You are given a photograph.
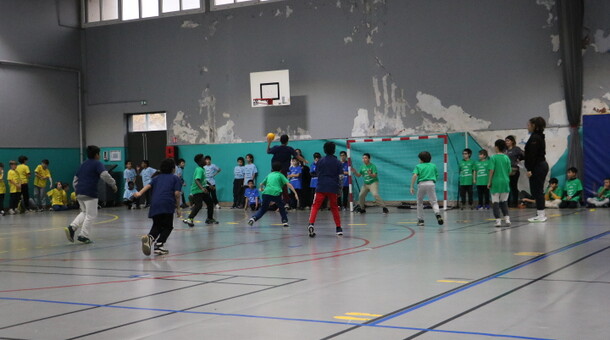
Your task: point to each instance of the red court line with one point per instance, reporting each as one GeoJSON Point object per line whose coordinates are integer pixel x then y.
{"type": "Point", "coordinates": [213, 272]}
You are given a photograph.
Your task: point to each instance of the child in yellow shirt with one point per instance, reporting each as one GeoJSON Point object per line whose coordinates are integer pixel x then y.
{"type": "Point", "coordinates": [14, 184]}
{"type": "Point", "coordinates": [23, 170]}
{"type": "Point", "coordinates": [59, 198]}
{"type": "Point", "coordinates": [2, 189]}
{"type": "Point", "coordinates": [42, 177]}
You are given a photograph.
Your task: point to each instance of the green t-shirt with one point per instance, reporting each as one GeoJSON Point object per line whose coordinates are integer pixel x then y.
{"type": "Point", "coordinates": [482, 170]}
{"type": "Point", "coordinates": [200, 175]}
{"type": "Point", "coordinates": [426, 172]}
{"type": "Point", "coordinates": [558, 192]}
{"type": "Point", "coordinates": [604, 196]}
{"type": "Point", "coordinates": [572, 187]}
{"type": "Point", "coordinates": [500, 182]}
{"type": "Point", "coordinates": [466, 170]}
{"type": "Point", "coordinates": [364, 171]}
{"type": "Point", "coordinates": [274, 183]}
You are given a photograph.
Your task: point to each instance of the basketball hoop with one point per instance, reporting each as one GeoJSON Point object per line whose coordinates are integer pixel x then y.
{"type": "Point", "coordinates": [263, 101]}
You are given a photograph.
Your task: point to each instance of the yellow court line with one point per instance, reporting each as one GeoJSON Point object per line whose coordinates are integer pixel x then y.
{"type": "Point", "coordinates": [363, 314]}
{"type": "Point", "coordinates": [351, 318]}
{"type": "Point", "coordinates": [528, 253]}
{"type": "Point", "coordinates": [452, 281]}
{"type": "Point", "coordinates": [232, 222]}
{"type": "Point", "coordinates": [114, 218]}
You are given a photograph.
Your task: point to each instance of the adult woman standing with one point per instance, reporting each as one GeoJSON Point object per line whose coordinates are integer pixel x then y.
{"type": "Point", "coordinates": [516, 155]}
{"type": "Point", "coordinates": [536, 165]}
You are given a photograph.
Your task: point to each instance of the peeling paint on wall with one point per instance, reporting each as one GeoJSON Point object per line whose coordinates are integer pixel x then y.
{"type": "Point", "coordinates": [189, 24]}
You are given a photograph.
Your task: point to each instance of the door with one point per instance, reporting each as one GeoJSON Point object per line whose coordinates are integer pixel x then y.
{"type": "Point", "coordinates": [148, 145]}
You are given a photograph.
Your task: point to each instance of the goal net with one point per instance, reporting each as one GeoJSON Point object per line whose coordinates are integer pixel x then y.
{"type": "Point", "coordinates": [395, 159]}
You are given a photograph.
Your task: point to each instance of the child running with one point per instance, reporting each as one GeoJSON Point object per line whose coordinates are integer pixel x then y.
{"type": "Point", "coordinates": [328, 170]}
{"type": "Point", "coordinates": [201, 193]}
{"type": "Point", "coordinates": [499, 182]}
{"type": "Point", "coordinates": [165, 200]}
{"type": "Point", "coordinates": [426, 175]}
{"type": "Point", "coordinates": [272, 187]}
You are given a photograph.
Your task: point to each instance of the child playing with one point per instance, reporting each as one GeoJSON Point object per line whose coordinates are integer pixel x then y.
{"type": "Point", "coordinates": [146, 172]}
{"type": "Point", "coordinates": [23, 170]}
{"type": "Point", "coordinates": [345, 181]}
{"type": "Point", "coordinates": [200, 193]}
{"type": "Point", "coordinates": [499, 182]}
{"type": "Point", "coordinates": [482, 179]}
{"type": "Point", "coordinates": [573, 190]}
{"type": "Point", "coordinates": [180, 173]}
{"type": "Point", "coordinates": [129, 174]}
{"type": "Point", "coordinates": [238, 183]}
{"type": "Point", "coordinates": [59, 198]}
{"type": "Point", "coordinates": [294, 176]}
{"type": "Point", "coordinates": [2, 189]}
{"type": "Point", "coordinates": [166, 199]}
{"type": "Point", "coordinates": [371, 183]}
{"type": "Point", "coordinates": [466, 167]}
{"type": "Point", "coordinates": [251, 197]}
{"type": "Point", "coordinates": [328, 169]}
{"type": "Point", "coordinates": [272, 188]}
{"type": "Point", "coordinates": [86, 182]}
{"type": "Point", "coordinates": [211, 170]}
{"type": "Point", "coordinates": [129, 197]}
{"type": "Point", "coordinates": [313, 182]}
{"type": "Point", "coordinates": [603, 195]}
{"type": "Point", "coordinates": [426, 175]}
{"type": "Point", "coordinates": [42, 176]}
{"type": "Point", "coordinates": [14, 185]}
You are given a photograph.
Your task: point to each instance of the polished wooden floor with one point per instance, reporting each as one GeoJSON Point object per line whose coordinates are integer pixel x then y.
{"type": "Point", "coordinates": [386, 278]}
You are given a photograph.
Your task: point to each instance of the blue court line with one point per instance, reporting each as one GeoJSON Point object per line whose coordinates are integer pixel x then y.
{"type": "Point", "coordinates": [487, 279]}
{"type": "Point", "coordinates": [272, 318]}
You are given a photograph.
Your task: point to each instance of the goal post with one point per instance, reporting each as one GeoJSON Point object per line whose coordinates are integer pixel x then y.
{"type": "Point", "coordinates": [395, 158]}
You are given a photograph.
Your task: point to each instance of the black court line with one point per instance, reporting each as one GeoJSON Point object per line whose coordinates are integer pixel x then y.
{"type": "Point", "coordinates": [182, 310]}
{"type": "Point", "coordinates": [108, 304]}
{"type": "Point", "coordinates": [506, 293]}
{"type": "Point", "coordinates": [450, 291]}
{"type": "Point", "coordinates": [554, 280]}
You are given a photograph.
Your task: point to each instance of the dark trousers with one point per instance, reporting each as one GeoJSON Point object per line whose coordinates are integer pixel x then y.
{"type": "Point", "coordinates": [1, 202]}
{"type": "Point", "coordinates": [483, 194]}
{"type": "Point", "coordinates": [129, 203]}
{"type": "Point", "coordinates": [568, 205]}
{"type": "Point", "coordinates": [198, 200]}
{"type": "Point", "coordinates": [25, 193]}
{"type": "Point", "coordinates": [213, 194]}
{"type": "Point", "coordinates": [60, 207]}
{"type": "Point", "coordinates": [14, 200]}
{"type": "Point", "coordinates": [466, 190]}
{"type": "Point", "coordinates": [344, 197]}
{"type": "Point", "coordinates": [537, 183]}
{"type": "Point", "coordinates": [163, 224]}
{"type": "Point", "coordinates": [238, 192]}
{"type": "Point", "coordinates": [147, 196]}
{"type": "Point", "coordinates": [513, 197]}
{"type": "Point", "coordinates": [267, 199]}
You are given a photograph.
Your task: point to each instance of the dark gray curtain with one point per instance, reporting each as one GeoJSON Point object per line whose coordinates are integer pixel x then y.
{"type": "Point", "coordinates": [570, 14]}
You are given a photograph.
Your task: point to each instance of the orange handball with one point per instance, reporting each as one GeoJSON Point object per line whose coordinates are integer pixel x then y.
{"type": "Point", "coordinates": [270, 136]}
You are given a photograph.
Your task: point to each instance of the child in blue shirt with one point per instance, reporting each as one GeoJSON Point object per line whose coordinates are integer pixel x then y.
{"type": "Point", "coordinates": [251, 197]}
{"type": "Point", "coordinates": [146, 172]}
{"type": "Point", "coordinates": [345, 182]}
{"type": "Point", "coordinates": [166, 200]}
{"type": "Point", "coordinates": [129, 174]}
{"type": "Point", "coordinates": [211, 170]}
{"type": "Point", "coordinates": [238, 183]}
{"type": "Point", "coordinates": [313, 183]}
{"type": "Point", "coordinates": [129, 196]}
{"type": "Point", "coordinates": [294, 176]}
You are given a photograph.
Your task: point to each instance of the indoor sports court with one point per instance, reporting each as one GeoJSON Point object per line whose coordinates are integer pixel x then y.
{"type": "Point", "coordinates": [123, 119]}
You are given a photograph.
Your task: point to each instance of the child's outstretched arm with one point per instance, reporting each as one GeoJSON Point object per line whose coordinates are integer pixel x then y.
{"type": "Point", "coordinates": [141, 192]}
{"type": "Point", "coordinates": [413, 179]}
{"type": "Point", "coordinates": [293, 190]}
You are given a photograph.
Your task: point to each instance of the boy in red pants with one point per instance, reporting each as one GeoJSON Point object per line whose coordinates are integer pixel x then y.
{"type": "Point", "coordinates": [329, 169]}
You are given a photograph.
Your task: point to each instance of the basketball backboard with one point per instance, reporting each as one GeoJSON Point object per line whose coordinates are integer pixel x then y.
{"type": "Point", "coordinates": [270, 88]}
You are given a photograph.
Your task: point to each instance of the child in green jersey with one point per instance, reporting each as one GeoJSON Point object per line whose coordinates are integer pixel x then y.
{"type": "Point", "coordinates": [466, 167]}
{"type": "Point", "coordinates": [426, 174]}
{"type": "Point", "coordinates": [603, 196]}
{"type": "Point", "coordinates": [572, 191]}
{"type": "Point", "coordinates": [499, 182]}
{"type": "Point", "coordinates": [481, 172]}
{"type": "Point", "coordinates": [272, 187]}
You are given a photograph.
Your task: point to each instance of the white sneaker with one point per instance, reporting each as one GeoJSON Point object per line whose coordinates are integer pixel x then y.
{"type": "Point", "coordinates": [537, 219]}
{"type": "Point", "coordinates": [11, 212]}
{"type": "Point", "coordinates": [217, 206]}
{"type": "Point", "coordinates": [498, 223]}
{"type": "Point", "coordinates": [507, 220]}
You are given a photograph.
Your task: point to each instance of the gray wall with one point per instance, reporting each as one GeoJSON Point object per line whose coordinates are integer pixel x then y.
{"type": "Point", "coordinates": [39, 107]}
{"type": "Point", "coordinates": [359, 67]}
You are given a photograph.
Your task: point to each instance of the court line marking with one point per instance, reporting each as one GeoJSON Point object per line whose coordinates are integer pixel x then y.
{"type": "Point", "coordinates": [452, 281]}
{"type": "Point", "coordinates": [172, 311]}
{"type": "Point", "coordinates": [13, 233]}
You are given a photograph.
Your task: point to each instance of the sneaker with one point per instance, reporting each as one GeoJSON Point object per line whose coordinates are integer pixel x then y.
{"type": "Point", "coordinates": [251, 221]}
{"type": "Point", "coordinates": [339, 231]}
{"type": "Point", "coordinates": [211, 221]}
{"type": "Point", "coordinates": [385, 210]}
{"type": "Point", "coordinates": [189, 221]}
{"type": "Point", "coordinates": [217, 206]}
{"type": "Point", "coordinates": [487, 207]}
{"type": "Point", "coordinates": [420, 223]}
{"type": "Point", "coordinates": [311, 230]}
{"type": "Point", "coordinates": [479, 207]}
{"type": "Point", "coordinates": [84, 239]}
{"type": "Point", "coordinates": [537, 219]}
{"type": "Point", "coordinates": [11, 212]}
{"type": "Point", "coordinates": [160, 250]}
{"type": "Point", "coordinates": [498, 223]}
{"type": "Point", "coordinates": [285, 224]}
{"type": "Point", "coordinates": [439, 219]}
{"type": "Point", "coordinates": [2, 212]}
{"type": "Point", "coordinates": [362, 211]}
{"type": "Point", "coordinates": [147, 241]}
{"type": "Point", "coordinates": [507, 220]}
{"type": "Point", "coordinates": [69, 233]}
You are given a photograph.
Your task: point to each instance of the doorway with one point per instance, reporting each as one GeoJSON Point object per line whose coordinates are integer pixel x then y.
{"type": "Point", "coordinates": [147, 138]}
